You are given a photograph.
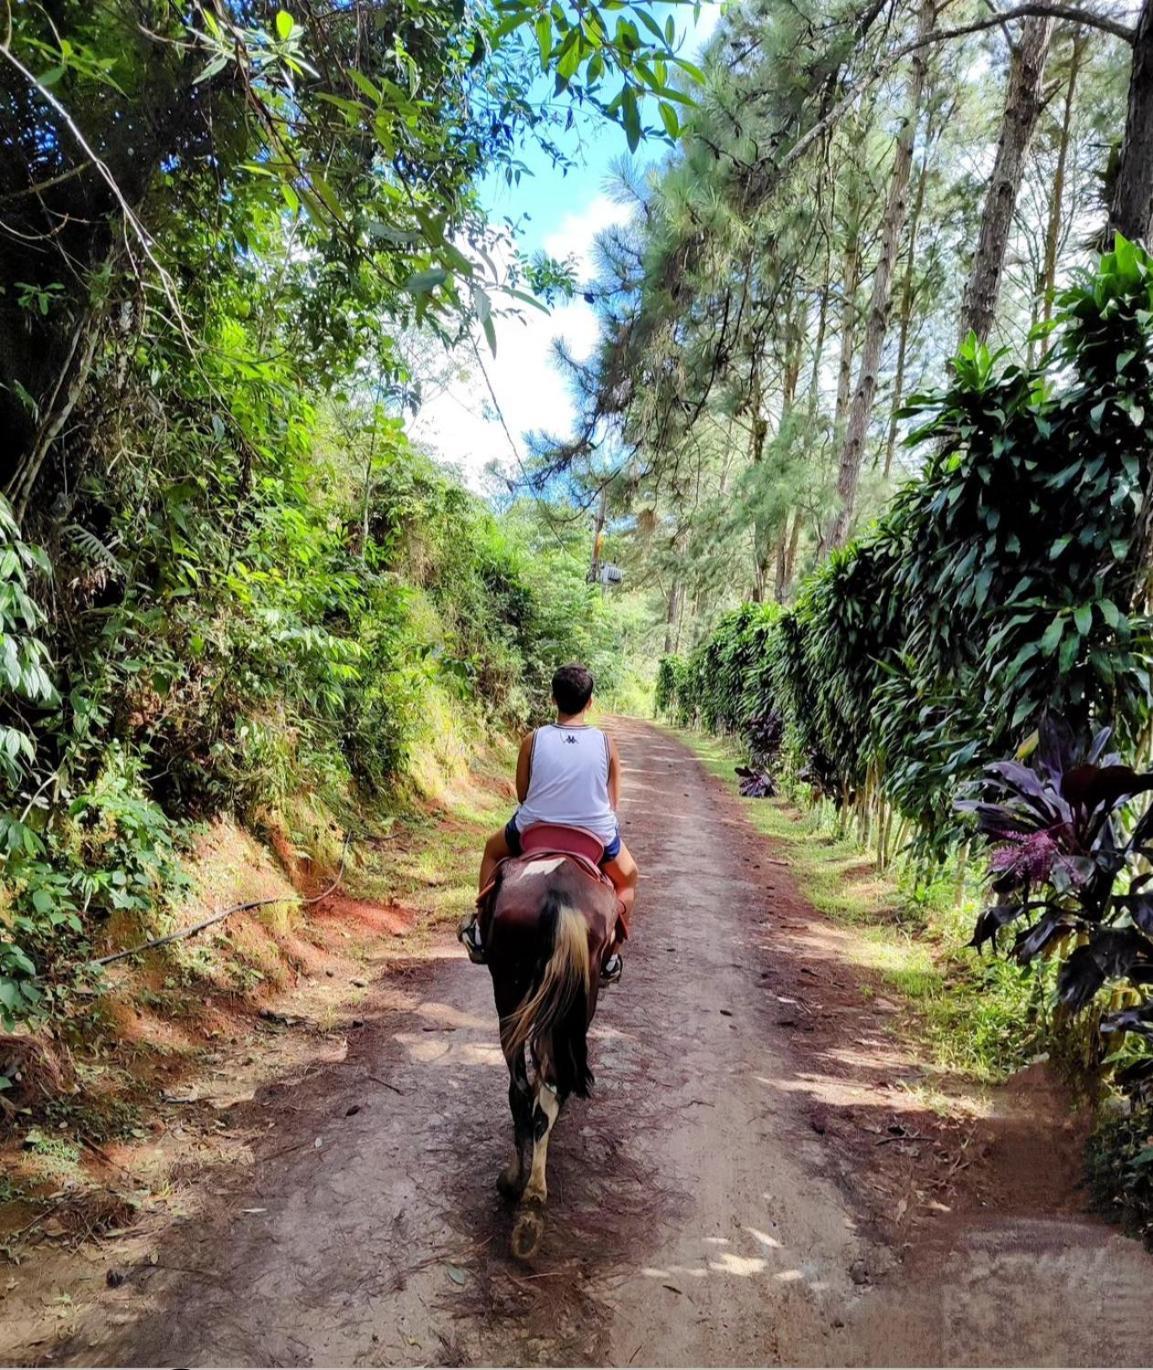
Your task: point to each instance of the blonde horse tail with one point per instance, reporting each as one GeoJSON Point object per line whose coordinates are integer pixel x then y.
{"type": "Point", "coordinates": [554, 1013]}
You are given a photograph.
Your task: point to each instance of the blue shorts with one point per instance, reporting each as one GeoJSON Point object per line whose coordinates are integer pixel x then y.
{"type": "Point", "coordinates": [512, 837]}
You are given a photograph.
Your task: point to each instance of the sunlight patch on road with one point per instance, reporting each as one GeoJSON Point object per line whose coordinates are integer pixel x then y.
{"type": "Point", "coordinates": [431, 1049]}
{"type": "Point", "coordinates": [732, 1264]}
{"type": "Point", "coordinates": [764, 1238]}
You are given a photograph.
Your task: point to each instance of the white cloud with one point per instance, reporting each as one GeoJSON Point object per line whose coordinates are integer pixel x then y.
{"type": "Point", "coordinates": [533, 394]}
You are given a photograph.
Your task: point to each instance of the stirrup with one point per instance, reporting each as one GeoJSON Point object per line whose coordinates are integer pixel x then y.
{"type": "Point", "coordinates": [612, 968]}
{"type": "Point", "coordinates": [468, 936]}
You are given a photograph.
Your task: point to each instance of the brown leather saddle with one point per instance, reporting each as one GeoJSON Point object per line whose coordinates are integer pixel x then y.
{"type": "Point", "coordinates": [543, 840]}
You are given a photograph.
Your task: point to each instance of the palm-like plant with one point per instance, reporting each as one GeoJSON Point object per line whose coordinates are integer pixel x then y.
{"type": "Point", "coordinates": [1065, 852]}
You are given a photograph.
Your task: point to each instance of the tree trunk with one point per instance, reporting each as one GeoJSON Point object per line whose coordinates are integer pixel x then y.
{"type": "Point", "coordinates": [877, 321]}
{"type": "Point", "coordinates": [814, 398]}
{"type": "Point", "coordinates": [791, 555]}
{"type": "Point", "coordinates": [906, 315]}
{"type": "Point", "coordinates": [787, 556]}
{"type": "Point", "coordinates": [782, 562]}
{"type": "Point", "coordinates": [1131, 212]}
{"type": "Point", "coordinates": [57, 409]}
{"type": "Point", "coordinates": [1024, 101]}
{"type": "Point", "coordinates": [757, 435]}
{"type": "Point", "coordinates": [1048, 282]}
{"type": "Point", "coordinates": [671, 618]}
{"type": "Point", "coordinates": [851, 277]}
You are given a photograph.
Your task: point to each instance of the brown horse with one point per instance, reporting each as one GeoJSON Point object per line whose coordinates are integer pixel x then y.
{"type": "Point", "coordinates": [546, 929]}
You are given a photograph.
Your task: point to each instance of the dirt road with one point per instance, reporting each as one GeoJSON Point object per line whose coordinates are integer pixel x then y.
{"type": "Point", "coordinates": [709, 1205]}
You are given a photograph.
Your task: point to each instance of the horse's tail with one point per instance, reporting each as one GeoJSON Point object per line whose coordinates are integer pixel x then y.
{"type": "Point", "coordinates": [554, 1012]}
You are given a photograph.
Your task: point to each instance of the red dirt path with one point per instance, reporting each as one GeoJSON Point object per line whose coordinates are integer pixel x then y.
{"type": "Point", "coordinates": [752, 1182]}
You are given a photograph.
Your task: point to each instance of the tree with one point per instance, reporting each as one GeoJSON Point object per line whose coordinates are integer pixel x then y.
{"type": "Point", "coordinates": [1024, 100]}
{"type": "Point", "coordinates": [1131, 210]}
{"type": "Point", "coordinates": [877, 319]}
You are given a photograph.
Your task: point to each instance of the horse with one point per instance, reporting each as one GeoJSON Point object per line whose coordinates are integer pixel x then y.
{"type": "Point", "coordinates": [547, 926]}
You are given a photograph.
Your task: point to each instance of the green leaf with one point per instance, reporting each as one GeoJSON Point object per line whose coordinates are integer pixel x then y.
{"type": "Point", "coordinates": [543, 30]}
{"type": "Point", "coordinates": [691, 68]}
{"type": "Point", "coordinates": [284, 25]}
{"type": "Point", "coordinates": [216, 65]}
{"type": "Point", "coordinates": [421, 282]}
{"type": "Point", "coordinates": [327, 195]}
{"type": "Point", "coordinates": [1125, 255]}
{"type": "Point", "coordinates": [630, 117]}
{"type": "Point", "coordinates": [1053, 634]}
{"type": "Point", "coordinates": [570, 56]}
{"type": "Point", "coordinates": [669, 119]}
{"type": "Point", "coordinates": [1083, 618]}
{"type": "Point", "coordinates": [364, 85]}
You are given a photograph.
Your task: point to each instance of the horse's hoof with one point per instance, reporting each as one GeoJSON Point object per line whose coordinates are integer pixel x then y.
{"type": "Point", "coordinates": [509, 1182]}
{"type": "Point", "coordinates": [527, 1234]}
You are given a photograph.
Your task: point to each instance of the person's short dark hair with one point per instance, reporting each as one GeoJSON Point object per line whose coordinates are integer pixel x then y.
{"type": "Point", "coordinates": [572, 688]}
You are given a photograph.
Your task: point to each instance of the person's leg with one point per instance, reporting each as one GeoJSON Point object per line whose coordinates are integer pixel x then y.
{"type": "Point", "coordinates": [495, 850]}
{"type": "Point", "coordinates": [621, 869]}
{"type": "Point", "coordinates": [500, 845]}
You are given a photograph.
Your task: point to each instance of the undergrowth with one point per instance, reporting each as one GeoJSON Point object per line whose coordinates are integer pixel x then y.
{"type": "Point", "coordinates": [1120, 1172]}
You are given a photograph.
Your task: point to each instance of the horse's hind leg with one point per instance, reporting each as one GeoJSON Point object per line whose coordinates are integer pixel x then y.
{"type": "Point", "coordinates": [529, 1229]}
{"type": "Point", "coordinates": [512, 1177]}
{"type": "Point", "coordinates": [546, 1110]}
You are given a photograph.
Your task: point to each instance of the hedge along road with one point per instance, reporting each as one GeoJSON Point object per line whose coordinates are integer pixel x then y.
{"type": "Point", "coordinates": [709, 1205]}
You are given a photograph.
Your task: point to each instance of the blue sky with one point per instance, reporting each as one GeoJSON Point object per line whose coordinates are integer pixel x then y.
{"type": "Point", "coordinates": [559, 213]}
{"type": "Point", "coordinates": [594, 144]}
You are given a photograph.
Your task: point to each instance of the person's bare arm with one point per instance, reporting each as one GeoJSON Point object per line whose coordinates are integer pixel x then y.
{"type": "Point", "coordinates": [524, 768]}
{"type": "Point", "coordinates": [614, 775]}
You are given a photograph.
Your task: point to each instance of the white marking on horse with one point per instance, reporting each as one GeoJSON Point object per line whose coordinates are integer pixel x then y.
{"type": "Point", "coordinates": [542, 865]}
{"type": "Point", "coordinates": [536, 1191]}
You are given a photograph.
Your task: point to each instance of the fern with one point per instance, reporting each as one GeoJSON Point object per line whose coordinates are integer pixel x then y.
{"type": "Point", "coordinates": [97, 552]}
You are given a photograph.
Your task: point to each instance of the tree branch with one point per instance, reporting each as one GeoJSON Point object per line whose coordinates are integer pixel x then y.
{"type": "Point", "coordinates": [1038, 9]}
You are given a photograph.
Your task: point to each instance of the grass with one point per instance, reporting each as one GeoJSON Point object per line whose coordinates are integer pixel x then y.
{"type": "Point", "coordinates": [978, 1017]}
{"type": "Point", "coordinates": [431, 861]}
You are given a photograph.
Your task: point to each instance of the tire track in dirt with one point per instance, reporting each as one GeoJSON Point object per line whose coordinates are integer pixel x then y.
{"type": "Point", "coordinates": [720, 1200]}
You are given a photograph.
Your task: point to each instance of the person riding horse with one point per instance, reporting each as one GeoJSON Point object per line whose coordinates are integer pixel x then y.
{"type": "Point", "coordinates": [568, 776]}
{"type": "Point", "coordinates": [557, 886]}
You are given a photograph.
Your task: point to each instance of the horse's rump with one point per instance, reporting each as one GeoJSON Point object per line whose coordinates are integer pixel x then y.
{"type": "Point", "coordinates": [548, 926]}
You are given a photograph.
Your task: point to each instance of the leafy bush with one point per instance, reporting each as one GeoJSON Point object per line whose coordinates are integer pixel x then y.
{"type": "Point", "coordinates": [1065, 853]}
{"type": "Point", "coordinates": [1120, 1171]}
{"type": "Point", "coordinates": [232, 675]}
{"type": "Point", "coordinates": [1007, 578]}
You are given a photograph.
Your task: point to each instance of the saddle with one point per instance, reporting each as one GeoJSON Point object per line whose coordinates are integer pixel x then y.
{"type": "Point", "coordinates": [542, 840]}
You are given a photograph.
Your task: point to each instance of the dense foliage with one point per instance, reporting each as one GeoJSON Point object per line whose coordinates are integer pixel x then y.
{"type": "Point", "coordinates": [226, 577]}
{"type": "Point", "coordinates": [1010, 577]}
{"type": "Point", "coordinates": [312, 663]}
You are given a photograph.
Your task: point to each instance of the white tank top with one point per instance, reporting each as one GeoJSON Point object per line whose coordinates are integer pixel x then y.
{"type": "Point", "coordinates": [569, 781]}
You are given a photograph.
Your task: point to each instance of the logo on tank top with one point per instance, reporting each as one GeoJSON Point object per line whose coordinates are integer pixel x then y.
{"type": "Point", "coordinates": [570, 739]}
